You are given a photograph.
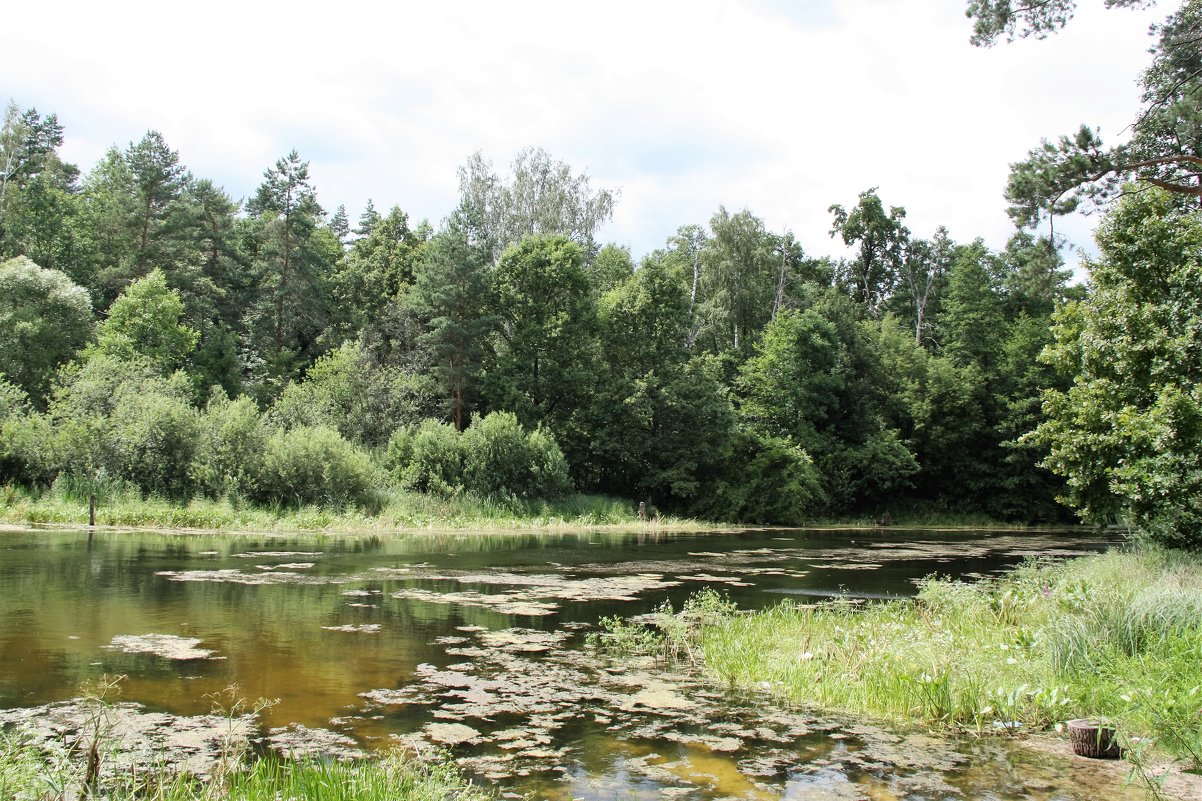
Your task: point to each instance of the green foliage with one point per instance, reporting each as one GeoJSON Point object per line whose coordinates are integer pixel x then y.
{"type": "Point", "coordinates": [231, 447]}
{"type": "Point", "coordinates": [873, 275]}
{"type": "Point", "coordinates": [45, 318]}
{"type": "Point", "coordinates": [428, 458]}
{"type": "Point", "coordinates": [38, 203]}
{"type": "Point", "coordinates": [815, 381]}
{"type": "Point", "coordinates": [658, 420]}
{"type": "Point", "coordinates": [494, 458]}
{"type": "Point", "coordinates": [766, 480]}
{"type": "Point", "coordinates": [351, 392]}
{"type": "Point", "coordinates": [374, 270]}
{"type": "Point", "coordinates": [111, 418]}
{"type": "Point", "coordinates": [450, 294]}
{"type": "Point", "coordinates": [1126, 434]}
{"type": "Point", "coordinates": [316, 466]}
{"type": "Point", "coordinates": [145, 321]}
{"type": "Point", "coordinates": [739, 275]}
{"type": "Point", "coordinates": [541, 298]}
{"type": "Point", "coordinates": [971, 325]}
{"type": "Point", "coordinates": [14, 405]}
{"type": "Point", "coordinates": [500, 459]}
{"type": "Point", "coordinates": [291, 258]}
{"type": "Point", "coordinates": [612, 266]}
{"type": "Point", "coordinates": [151, 440]}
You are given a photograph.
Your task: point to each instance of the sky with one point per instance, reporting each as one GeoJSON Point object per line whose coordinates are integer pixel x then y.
{"type": "Point", "coordinates": [783, 108]}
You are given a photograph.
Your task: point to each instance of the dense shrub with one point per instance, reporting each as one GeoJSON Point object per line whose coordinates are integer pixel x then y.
{"type": "Point", "coordinates": [351, 392]}
{"type": "Point", "coordinates": [114, 418]}
{"type": "Point", "coordinates": [500, 459]}
{"type": "Point", "coordinates": [316, 466]}
{"type": "Point", "coordinates": [495, 457]}
{"type": "Point", "coordinates": [152, 438]}
{"type": "Point", "coordinates": [550, 477]}
{"type": "Point", "coordinates": [765, 480]}
{"type": "Point", "coordinates": [428, 458]}
{"type": "Point", "coordinates": [232, 442]}
{"type": "Point", "coordinates": [14, 405]}
{"type": "Point", "coordinates": [27, 449]}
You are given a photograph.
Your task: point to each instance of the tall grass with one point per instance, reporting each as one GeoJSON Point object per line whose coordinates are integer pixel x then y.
{"type": "Point", "coordinates": [28, 774]}
{"type": "Point", "coordinates": [1116, 636]}
{"type": "Point", "coordinates": [122, 505]}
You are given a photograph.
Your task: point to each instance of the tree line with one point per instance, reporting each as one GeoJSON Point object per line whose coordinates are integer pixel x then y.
{"type": "Point", "coordinates": [158, 333]}
{"type": "Point", "coordinates": [727, 374]}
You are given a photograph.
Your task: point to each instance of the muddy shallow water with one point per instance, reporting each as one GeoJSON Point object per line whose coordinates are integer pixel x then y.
{"type": "Point", "coordinates": [473, 643]}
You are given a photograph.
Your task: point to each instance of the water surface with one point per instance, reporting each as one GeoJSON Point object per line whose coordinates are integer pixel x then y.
{"type": "Point", "coordinates": [473, 641]}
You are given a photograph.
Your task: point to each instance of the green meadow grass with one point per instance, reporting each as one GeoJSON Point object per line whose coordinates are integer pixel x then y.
{"type": "Point", "coordinates": [1116, 636]}
{"type": "Point", "coordinates": [127, 508]}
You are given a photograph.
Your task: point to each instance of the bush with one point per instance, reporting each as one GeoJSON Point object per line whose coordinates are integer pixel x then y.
{"type": "Point", "coordinates": [766, 480]}
{"type": "Point", "coordinates": [428, 458]}
{"type": "Point", "coordinates": [119, 418]}
{"type": "Point", "coordinates": [14, 405]}
{"type": "Point", "coordinates": [232, 442]}
{"type": "Point", "coordinates": [152, 440]}
{"type": "Point", "coordinates": [350, 392]}
{"type": "Point", "coordinates": [316, 466]}
{"type": "Point", "coordinates": [494, 458]}
{"type": "Point", "coordinates": [549, 466]}
{"type": "Point", "coordinates": [500, 459]}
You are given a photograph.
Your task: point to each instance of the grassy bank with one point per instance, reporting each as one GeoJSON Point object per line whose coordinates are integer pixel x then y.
{"type": "Point", "coordinates": [1116, 636]}
{"type": "Point", "coordinates": [125, 507]}
{"type": "Point", "coordinates": [28, 774]}
{"type": "Point", "coordinates": [402, 510]}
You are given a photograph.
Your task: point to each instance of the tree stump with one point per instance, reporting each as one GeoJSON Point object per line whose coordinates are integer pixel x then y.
{"type": "Point", "coordinates": [1093, 739]}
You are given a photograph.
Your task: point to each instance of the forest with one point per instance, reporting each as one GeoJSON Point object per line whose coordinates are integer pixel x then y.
{"type": "Point", "coordinates": [165, 335]}
{"type": "Point", "coordinates": [157, 334]}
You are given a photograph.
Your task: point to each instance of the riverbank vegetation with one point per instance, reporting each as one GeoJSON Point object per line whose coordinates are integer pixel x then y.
{"type": "Point", "coordinates": [158, 337]}
{"type": "Point", "coordinates": [1115, 637]}
{"type": "Point", "coordinates": [28, 773]}
{"type": "Point", "coordinates": [155, 331]}
{"type": "Point", "coordinates": [161, 335]}
{"type": "Point", "coordinates": [400, 509]}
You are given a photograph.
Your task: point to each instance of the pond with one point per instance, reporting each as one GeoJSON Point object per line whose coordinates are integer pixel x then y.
{"type": "Point", "coordinates": [473, 642]}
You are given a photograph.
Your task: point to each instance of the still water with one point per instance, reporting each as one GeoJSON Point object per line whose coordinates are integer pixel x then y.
{"type": "Point", "coordinates": [474, 642]}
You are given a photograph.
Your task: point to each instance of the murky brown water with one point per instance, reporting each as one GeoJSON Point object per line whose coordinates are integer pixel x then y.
{"type": "Point", "coordinates": [473, 642]}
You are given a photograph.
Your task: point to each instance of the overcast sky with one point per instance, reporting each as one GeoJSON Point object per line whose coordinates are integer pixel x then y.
{"type": "Point", "coordinates": [681, 106]}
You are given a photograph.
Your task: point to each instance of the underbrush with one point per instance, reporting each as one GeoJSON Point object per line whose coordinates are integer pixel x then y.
{"type": "Point", "coordinates": [1116, 636]}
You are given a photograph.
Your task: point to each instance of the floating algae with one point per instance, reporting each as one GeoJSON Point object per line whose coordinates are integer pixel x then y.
{"type": "Point", "coordinates": [132, 736]}
{"type": "Point", "coordinates": [167, 646]}
{"type": "Point", "coordinates": [301, 742]}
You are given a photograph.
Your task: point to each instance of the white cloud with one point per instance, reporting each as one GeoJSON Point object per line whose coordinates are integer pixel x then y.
{"type": "Point", "coordinates": [684, 106]}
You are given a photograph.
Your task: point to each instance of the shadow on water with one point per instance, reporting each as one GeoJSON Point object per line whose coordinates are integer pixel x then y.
{"type": "Point", "coordinates": [473, 642]}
